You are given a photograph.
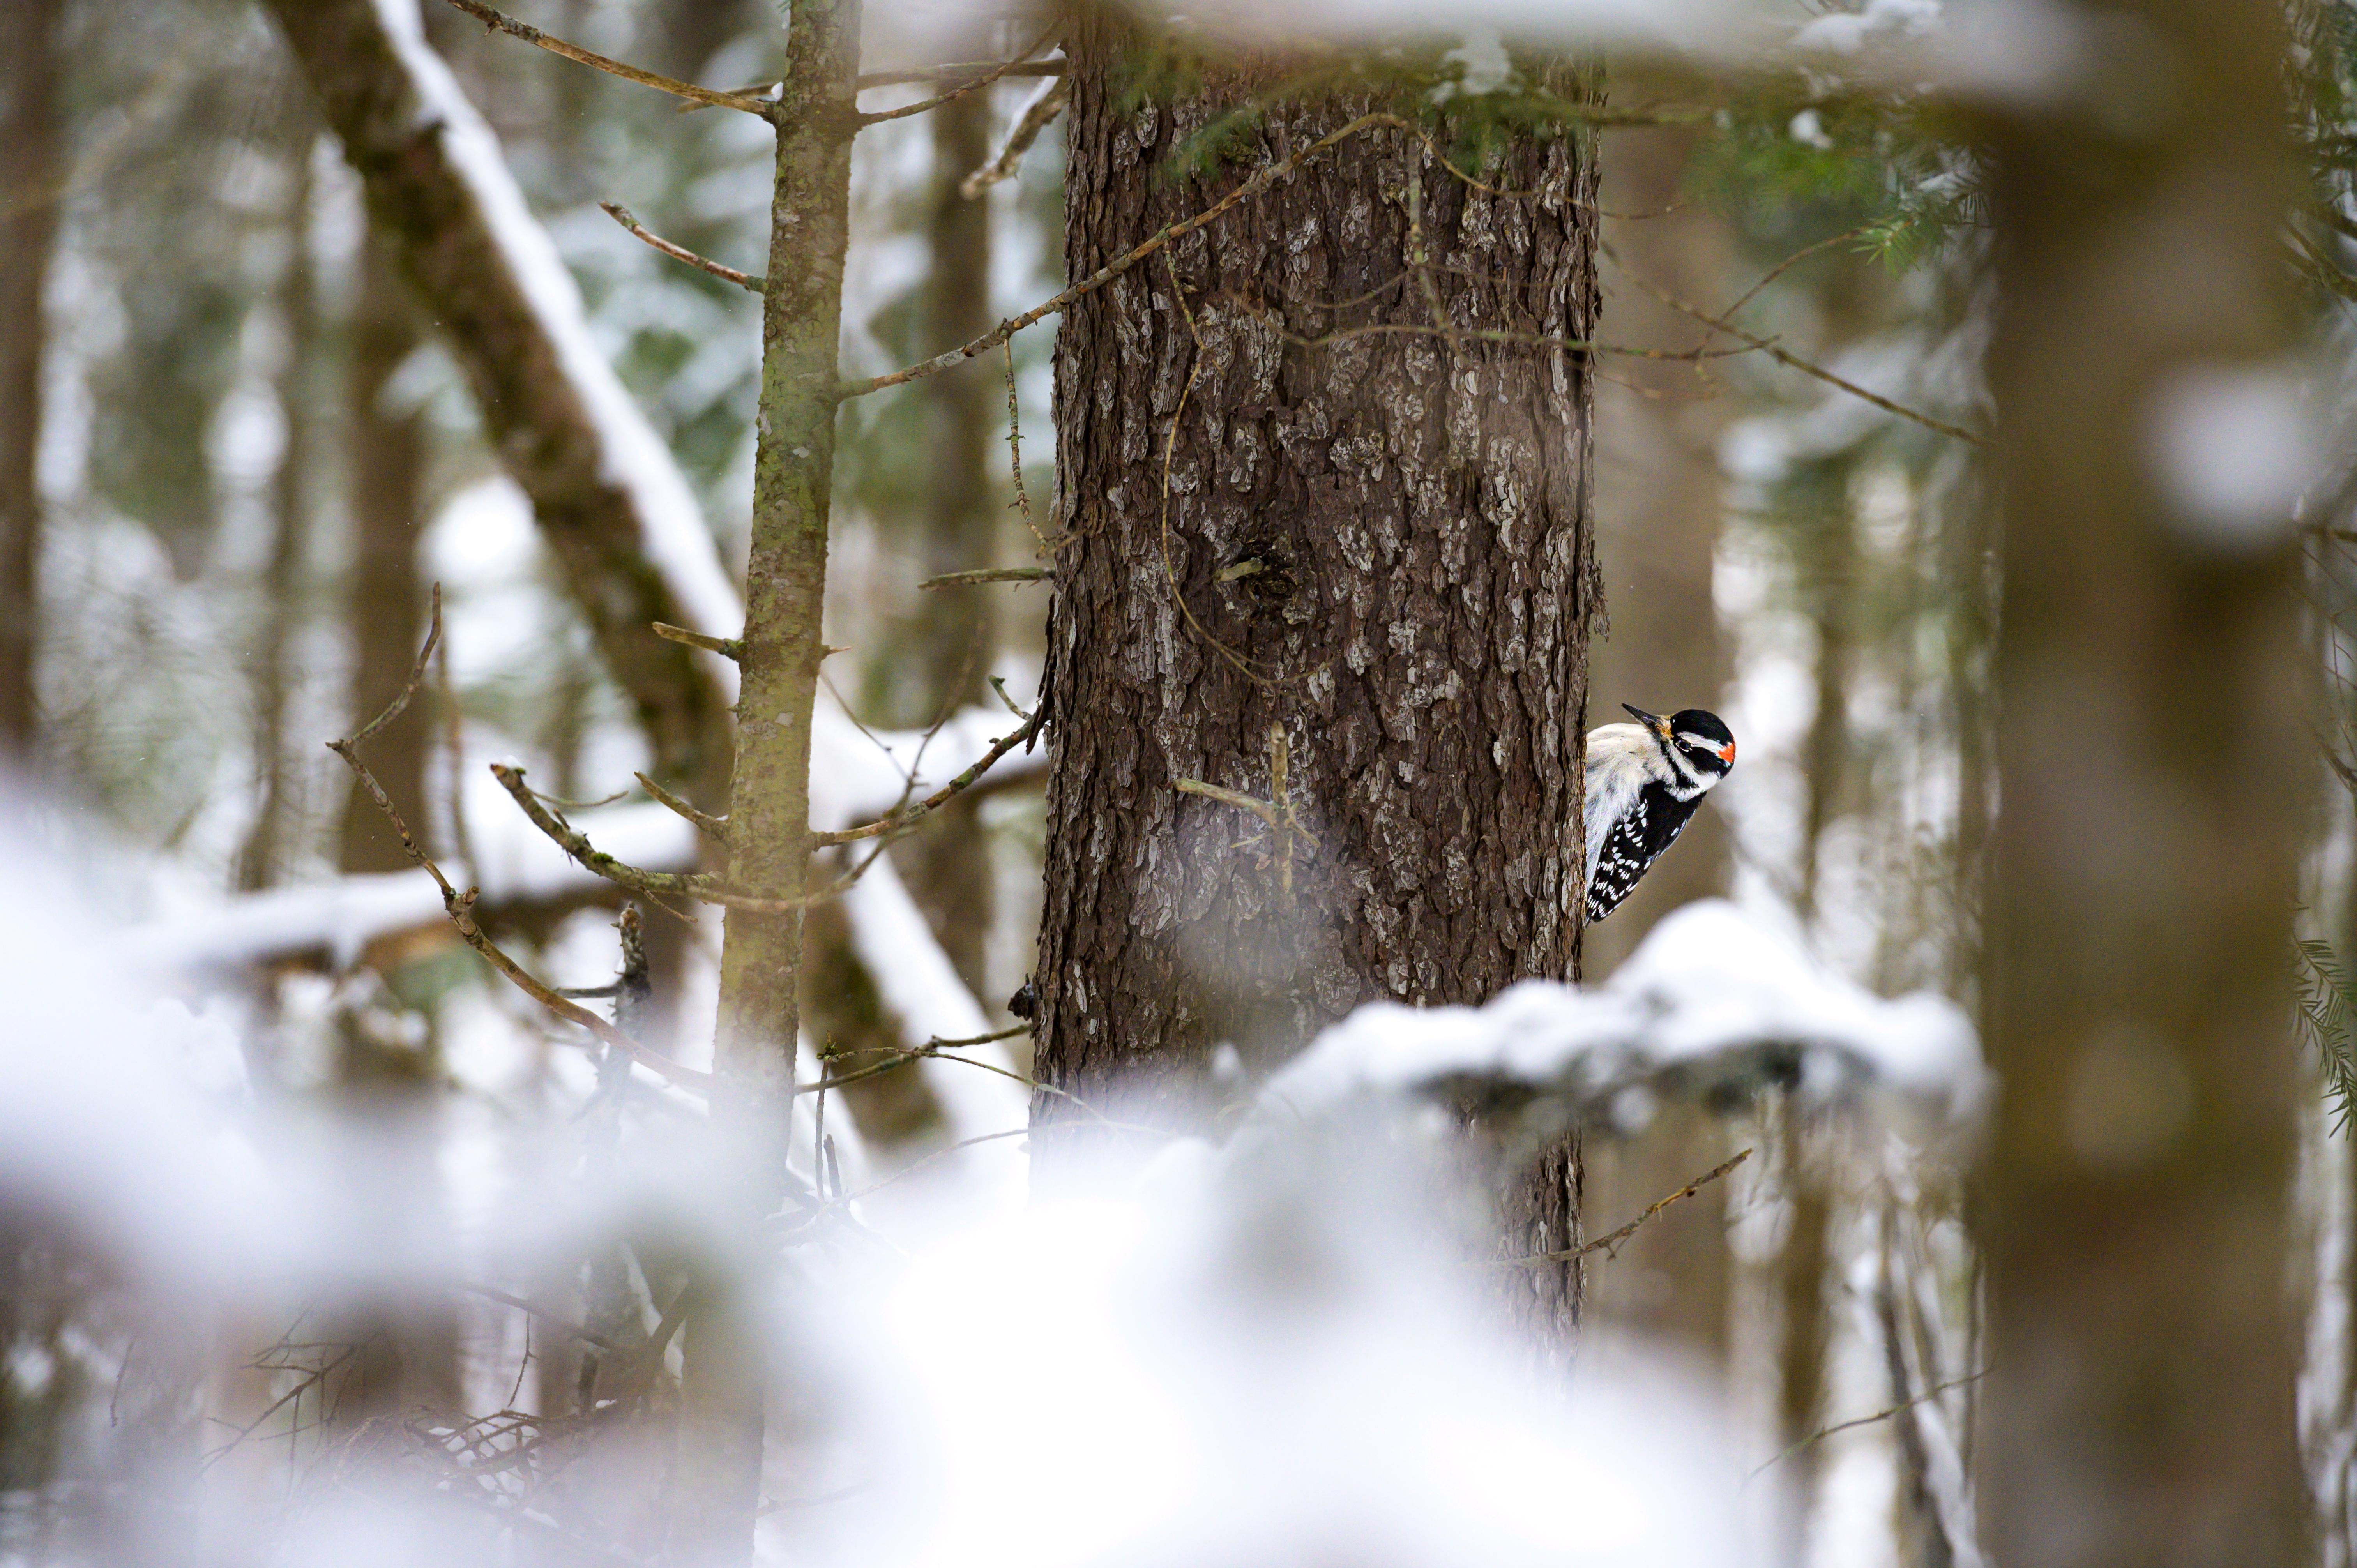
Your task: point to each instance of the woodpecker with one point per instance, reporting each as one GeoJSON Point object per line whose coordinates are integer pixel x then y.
{"type": "Point", "coordinates": [1644, 781]}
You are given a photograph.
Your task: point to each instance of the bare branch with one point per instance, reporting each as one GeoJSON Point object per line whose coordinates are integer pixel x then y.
{"type": "Point", "coordinates": [460, 907]}
{"type": "Point", "coordinates": [1824, 1432]}
{"type": "Point", "coordinates": [988, 575]}
{"type": "Point", "coordinates": [1793, 360]}
{"type": "Point", "coordinates": [500, 22]}
{"type": "Point", "coordinates": [622, 214]}
{"type": "Point", "coordinates": [1036, 116]}
{"type": "Point", "coordinates": [993, 69]}
{"type": "Point", "coordinates": [1610, 1245]}
{"type": "Point", "coordinates": [939, 798]}
{"type": "Point", "coordinates": [576, 844]}
{"type": "Point", "coordinates": [1055, 26]}
{"type": "Point", "coordinates": [717, 828]}
{"type": "Point", "coordinates": [727, 647]}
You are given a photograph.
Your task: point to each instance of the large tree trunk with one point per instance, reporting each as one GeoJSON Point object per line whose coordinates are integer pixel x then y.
{"type": "Point", "coordinates": [2151, 759]}
{"type": "Point", "coordinates": [1377, 549]}
{"type": "Point", "coordinates": [30, 176]}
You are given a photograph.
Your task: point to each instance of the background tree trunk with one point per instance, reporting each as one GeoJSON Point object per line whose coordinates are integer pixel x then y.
{"type": "Point", "coordinates": [2151, 758]}
{"type": "Point", "coordinates": [1378, 549]}
{"type": "Point", "coordinates": [1658, 495]}
{"type": "Point", "coordinates": [30, 177]}
{"type": "Point", "coordinates": [387, 603]}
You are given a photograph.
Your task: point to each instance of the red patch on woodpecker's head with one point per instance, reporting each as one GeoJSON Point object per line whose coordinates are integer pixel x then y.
{"type": "Point", "coordinates": [1726, 753]}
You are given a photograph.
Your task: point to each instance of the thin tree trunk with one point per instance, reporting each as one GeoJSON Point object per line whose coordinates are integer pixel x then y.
{"type": "Point", "coordinates": [2151, 754]}
{"type": "Point", "coordinates": [938, 656]}
{"type": "Point", "coordinates": [722, 1414]}
{"type": "Point", "coordinates": [386, 603]}
{"type": "Point", "coordinates": [947, 867]}
{"type": "Point", "coordinates": [1658, 495]}
{"type": "Point", "coordinates": [262, 857]}
{"type": "Point", "coordinates": [30, 174]}
{"type": "Point", "coordinates": [1376, 579]}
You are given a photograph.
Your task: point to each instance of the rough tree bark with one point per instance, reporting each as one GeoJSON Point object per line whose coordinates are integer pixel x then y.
{"type": "Point", "coordinates": [30, 65]}
{"type": "Point", "coordinates": [1378, 549]}
{"type": "Point", "coordinates": [2151, 762]}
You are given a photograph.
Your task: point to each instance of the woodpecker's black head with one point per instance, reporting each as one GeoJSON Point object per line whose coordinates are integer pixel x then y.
{"type": "Point", "coordinates": [1699, 740]}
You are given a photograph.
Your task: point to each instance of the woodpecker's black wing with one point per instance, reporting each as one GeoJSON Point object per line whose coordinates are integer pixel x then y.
{"type": "Point", "coordinates": [1652, 823]}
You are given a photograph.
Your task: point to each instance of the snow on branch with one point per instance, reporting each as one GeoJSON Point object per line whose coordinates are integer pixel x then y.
{"type": "Point", "coordinates": [1711, 1006]}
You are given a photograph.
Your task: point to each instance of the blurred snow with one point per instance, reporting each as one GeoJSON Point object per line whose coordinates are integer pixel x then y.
{"type": "Point", "coordinates": [1714, 1003]}
{"type": "Point", "coordinates": [2233, 448]}
{"type": "Point", "coordinates": [1277, 1350]}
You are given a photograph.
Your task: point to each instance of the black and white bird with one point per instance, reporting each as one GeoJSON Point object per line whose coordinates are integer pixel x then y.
{"type": "Point", "coordinates": [1644, 781]}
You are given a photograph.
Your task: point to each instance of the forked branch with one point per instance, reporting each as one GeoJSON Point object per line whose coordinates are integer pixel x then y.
{"type": "Point", "coordinates": [460, 907]}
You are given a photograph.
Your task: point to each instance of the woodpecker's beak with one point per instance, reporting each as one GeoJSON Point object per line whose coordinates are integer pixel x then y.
{"type": "Point", "coordinates": [1654, 722]}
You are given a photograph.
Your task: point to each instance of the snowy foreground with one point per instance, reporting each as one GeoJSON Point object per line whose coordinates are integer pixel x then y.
{"type": "Point", "coordinates": [1257, 1351]}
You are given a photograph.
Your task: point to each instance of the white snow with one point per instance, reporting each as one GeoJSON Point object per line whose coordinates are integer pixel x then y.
{"type": "Point", "coordinates": [1713, 1000]}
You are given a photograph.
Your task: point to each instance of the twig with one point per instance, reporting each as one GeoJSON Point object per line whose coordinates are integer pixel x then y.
{"type": "Point", "coordinates": [1015, 452]}
{"type": "Point", "coordinates": [988, 575]}
{"type": "Point", "coordinates": [727, 647]}
{"type": "Point", "coordinates": [460, 907]}
{"type": "Point", "coordinates": [702, 888]}
{"type": "Point", "coordinates": [1610, 1245]}
{"type": "Point", "coordinates": [622, 214]}
{"type": "Point", "coordinates": [1260, 181]}
{"type": "Point", "coordinates": [576, 844]}
{"type": "Point", "coordinates": [938, 799]}
{"type": "Point", "coordinates": [1055, 26]}
{"type": "Point", "coordinates": [715, 828]}
{"type": "Point", "coordinates": [994, 68]}
{"type": "Point", "coordinates": [1904, 1405]}
{"type": "Point", "coordinates": [1036, 116]}
{"type": "Point", "coordinates": [1793, 360]}
{"type": "Point", "coordinates": [1279, 812]}
{"type": "Point", "coordinates": [498, 22]}
{"type": "Point", "coordinates": [553, 1318]}
{"type": "Point", "coordinates": [998, 684]}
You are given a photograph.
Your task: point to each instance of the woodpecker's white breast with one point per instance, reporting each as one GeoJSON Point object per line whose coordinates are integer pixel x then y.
{"type": "Point", "coordinates": [1621, 760]}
